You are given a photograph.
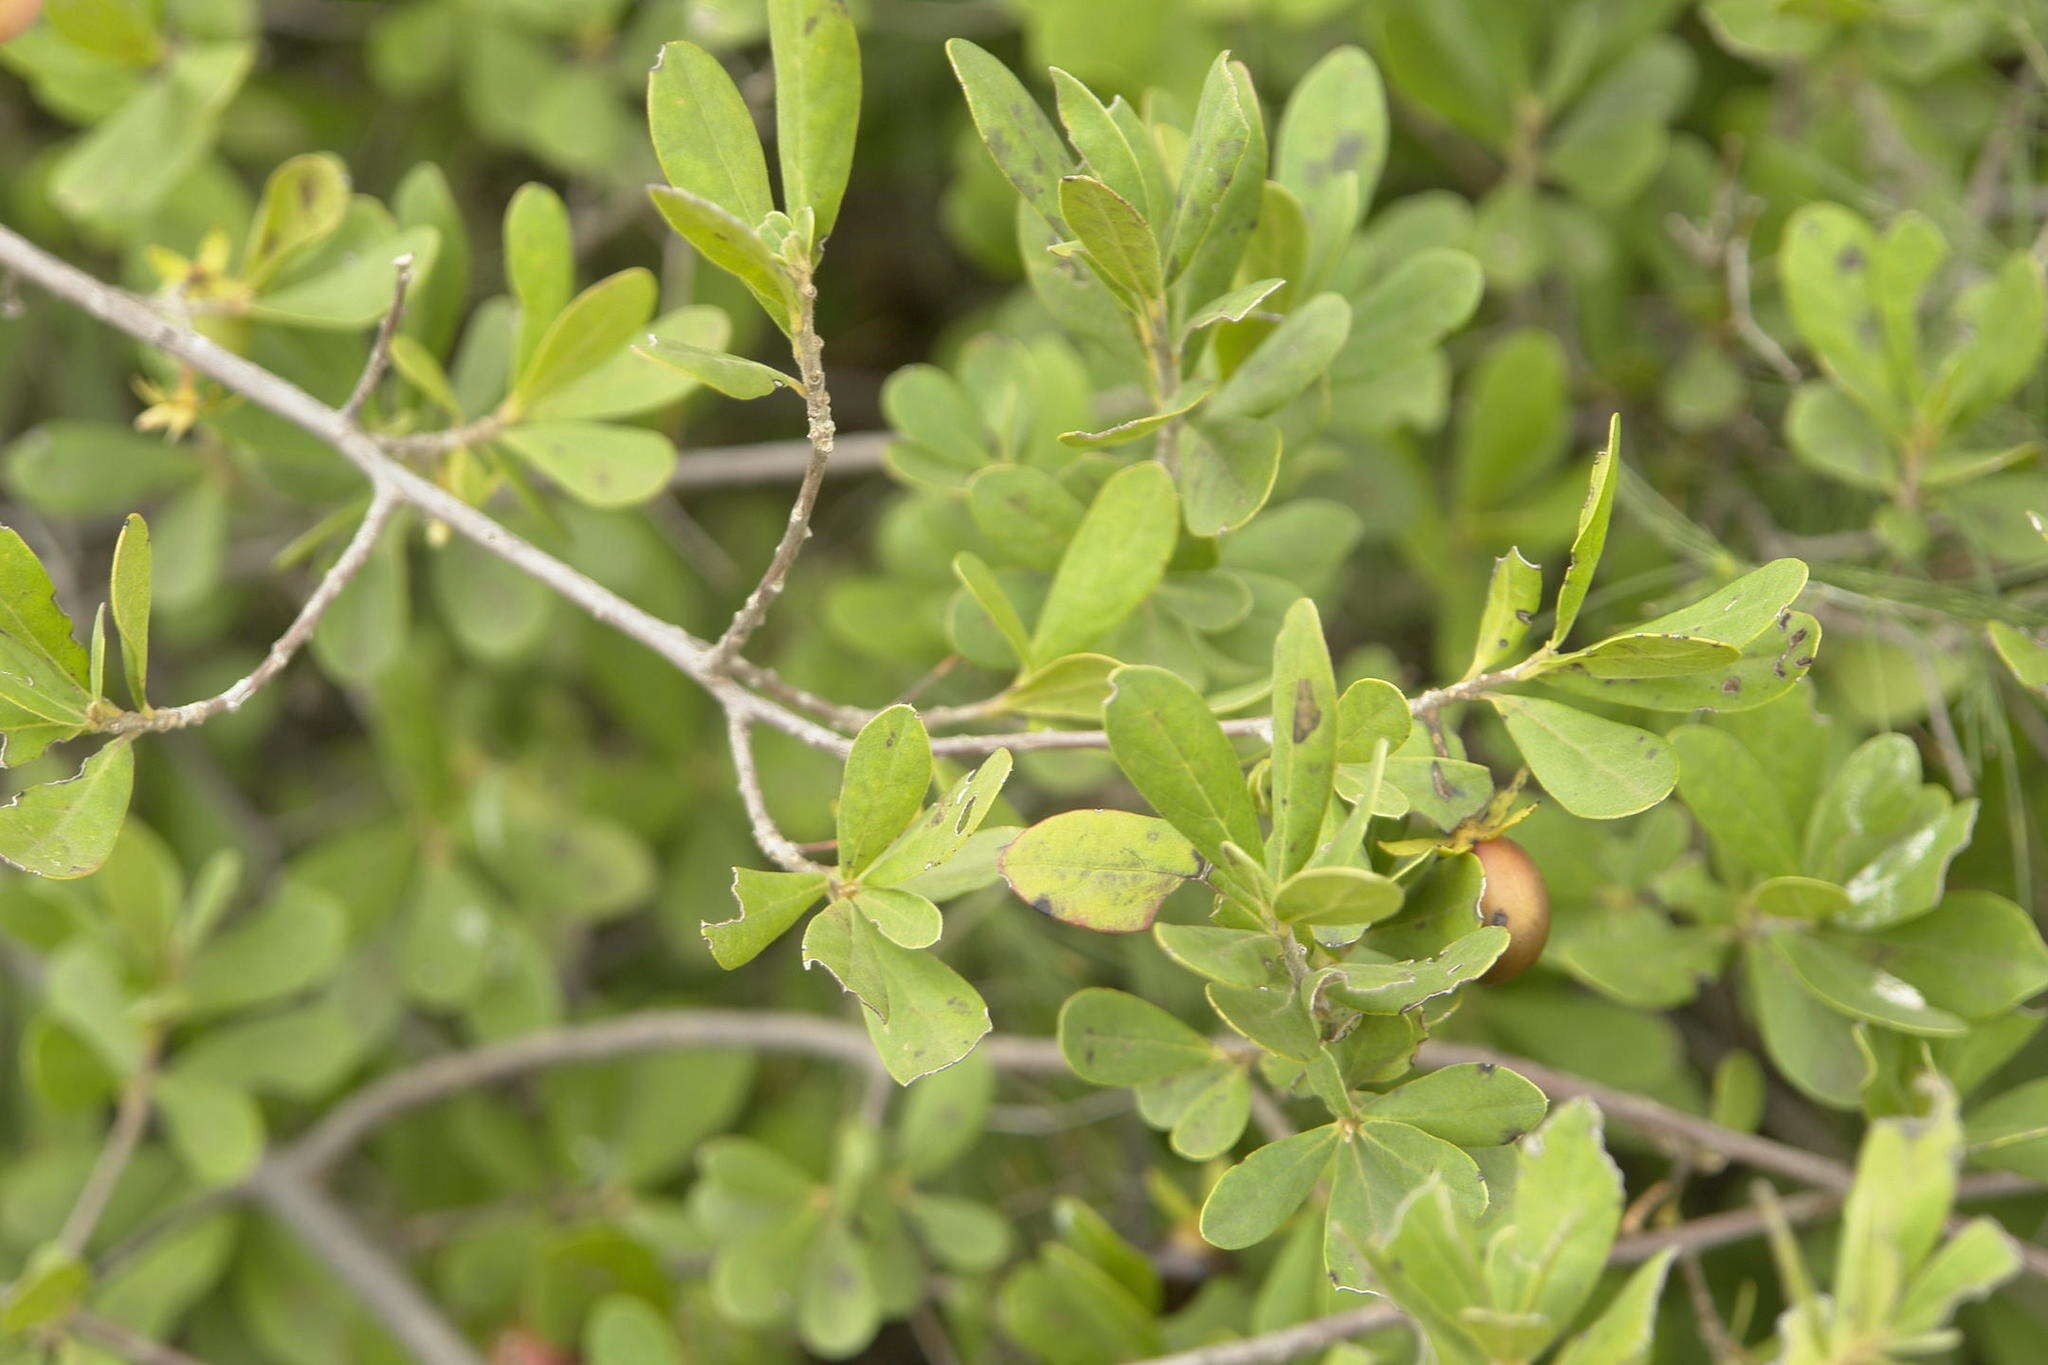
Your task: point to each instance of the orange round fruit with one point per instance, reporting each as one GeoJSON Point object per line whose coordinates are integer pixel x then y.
{"type": "Point", "coordinates": [17, 15]}
{"type": "Point", "coordinates": [1516, 899]}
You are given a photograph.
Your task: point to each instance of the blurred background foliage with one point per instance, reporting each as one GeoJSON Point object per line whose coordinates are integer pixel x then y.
{"type": "Point", "coordinates": [501, 814]}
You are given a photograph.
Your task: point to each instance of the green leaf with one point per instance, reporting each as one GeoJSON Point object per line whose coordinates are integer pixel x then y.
{"type": "Point", "coordinates": [1813, 1046]}
{"type": "Point", "coordinates": [1234, 957]}
{"type": "Point", "coordinates": [817, 103]}
{"type": "Point", "coordinates": [444, 957]}
{"type": "Point", "coordinates": [598, 324]}
{"type": "Point", "coordinates": [1214, 264]}
{"type": "Point", "coordinates": [1026, 510]}
{"type": "Point", "coordinates": [704, 135]}
{"type": "Point", "coordinates": [945, 828]}
{"type": "Point", "coordinates": [1260, 1193]}
{"type": "Point", "coordinates": [1596, 768]}
{"type": "Point", "coordinates": [837, 1309]}
{"type": "Point", "coordinates": [1215, 1116]}
{"type": "Point", "coordinates": [887, 774]}
{"type": "Point", "coordinates": [597, 463]}
{"type": "Point", "coordinates": [1622, 1333]}
{"type": "Point", "coordinates": [1226, 472]}
{"type": "Point", "coordinates": [1735, 799]}
{"type": "Point", "coordinates": [438, 301]}
{"type": "Point", "coordinates": [2001, 330]}
{"type": "Point", "coordinates": [1825, 265]}
{"type": "Point", "coordinates": [1512, 596]}
{"type": "Point", "coordinates": [1370, 710]}
{"type": "Point", "coordinates": [936, 1017]}
{"type": "Point", "coordinates": [1514, 421]}
{"type": "Point", "coordinates": [1115, 559]}
{"type": "Point", "coordinates": [1852, 986]}
{"type": "Point", "coordinates": [124, 168]}
{"type": "Point", "coordinates": [1470, 1105]}
{"type": "Point", "coordinates": [304, 201]}
{"type": "Point", "coordinates": [987, 591]}
{"type": "Point", "coordinates": [904, 917]}
{"type": "Point", "coordinates": [1614, 141]}
{"type": "Point", "coordinates": [1391, 987]}
{"type": "Point", "coordinates": [52, 1283]}
{"type": "Point", "coordinates": [1408, 311]}
{"type": "Point", "coordinates": [1976, 954]}
{"type": "Point", "coordinates": [1026, 148]}
{"type": "Point", "coordinates": [732, 246]}
{"type": "Point", "coordinates": [942, 1117]}
{"type": "Point", "coordinates": [1967, 1267]}
{"type": "Point", "coordinates": [1565, 1210]}
{"type": "Point", "coordinates": [1590, 538]}
{"type": "Point", "coordinates": [295, 942]}
{"type": "Point", "coordinates": [1374, 1169]}
{"type": "Point", "coordinates": [540, 263]}
{"type": "Point", "coordinates": [1335, 124]}
{"type": "Point", "coordinates": [129, 597]}
{"type": "Point", "coordinates": [1769, 666]}
{"type": "Point", "coordinates": [625, 1330]}
{"type": "Point", "coordinates": [1217, 144]}
{"type": "Point", "coordinates": [1829, 433]}
{"type": "Point", "coordinates": [93, 469]}
{"type": "Point", "coordinates": [1073, 688]}
{"type": "Point", "coordinates": [1122, 433]}
{"type": "Point", "coordinates": [46, 669]}
{"type": "Point", "coordinates": [922, 1016]}
{"type": "Point", "coordinates": [1274, 1017]}
{"type": "Point", "coordinates": [66, 829]}
{"type": "Point", "coordinates": [1107, 870]}
{"type": "Point", "coordinates": [1171, 747]}
{"type": "Point", "coordinates": [119, 30]}
{"type": "Point", "coordinates": [1294, 355]}
{"type": "Point", "coordinates": [2010, 1132]}
{"type": "Point", "coordinates": [1739, 612]}
{"type": "Point", "coordinates": [1429, 1260]}
{"type": "Point", "coordinates": [1336, 897]}
{"type": "Point", "coordinates": [1905, 1184]}
{"type": "Point", "coordinates": [1304, 738]}
{"type": "Point", "coordinates": [1110, 1038]}
{"type": "Point", "coordinates": [1637, 656]}
{"type": "Point", "coordinates": [734, 376]}
{"type": "Point", "coordinates": [216, 1128]}
{"type": "Point", "coordinates": [1103, 144]}
{"type": "Point", "coordinates": [2025, 656]}
{"type": "Point", "coordinates": [1235, 306]}
{"type": "Point", "coordinates": [1800, 898]}
{"type": "Point", "coordinates": [770, 902]}
{"type": "Point", "coordinates": [355, 291]}
{"type": "Point", "coordinates": [1120, 243]}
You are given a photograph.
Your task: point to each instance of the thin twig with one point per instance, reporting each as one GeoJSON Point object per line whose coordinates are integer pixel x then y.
{"type": "Point", "coordinates": [338, 1132]}
{"type": "Point", "coordinates": [428, 443]}
{"type": "Point", "coordinates": [1267, 1113]}
{"type": "Point", "coordinates": [141, 320]}
{"type": "Point", "coordinates": [131, 1116]}
{"type": "Point", "coordinates": [1744, 321]}
{"type": "Point", "coordinates": [1996, 153]}
{"type": "Point", "coordinates": [747, 777]}
{"type": "Point", "coordinates": [323, 1229]}
{"type": "Point", "coordinates": [345, 567]}
{"type": "Point", "coordinates": [123, 1341]}
{"type": "Point", "coordinates": [809, 350]}
{"type": "Point", "coordinates": [766, 462]}
{"type": "Point", "coordinates": [380, 345]}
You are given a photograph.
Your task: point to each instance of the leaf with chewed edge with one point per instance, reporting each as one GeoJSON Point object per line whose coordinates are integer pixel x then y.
{"type": "Point", "coordinates": [1108, 870]}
